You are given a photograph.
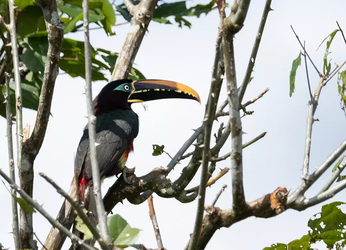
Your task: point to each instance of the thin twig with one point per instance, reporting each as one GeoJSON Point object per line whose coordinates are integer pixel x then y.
{"type": "Point", "coordinates": [44, 213]}
{"type": "Point", "coordinates": [25, 228]}
{"type": "Point", "coordinates": [307, 73]}
{"type": "Point", "coordinates": [218, 195]}
{"type": "Point", "coordinates": [306, 53]}
{"type": "Point", "coordinates": [101, 214]}
{"type": "Point", "coordinates": [211, 181]}
{"type": "Point", "coordinates": [40, 241]}
{"type": "Point", "coordinates": [224, 157]}
{"type": "Point", "coordinates": [79, 210]}
{"type": "Point", "coordinates": [335, 175]}
{"type": "Point", "coordinates": [15, 226]}
{"type": "Point", "coordinates": [156, 228]}
{"type": "Point", "coordinates": [208, 124]}
{"type": "Point", "coordinates": [333, 74]}
{"type": "Point", "coordinates": [342, 32]}
{"type": "Point", "coordinates": [252, 59]}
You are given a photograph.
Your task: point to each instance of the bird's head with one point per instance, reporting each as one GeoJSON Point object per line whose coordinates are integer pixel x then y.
{"type": "Point", "coordinates": [121, 94]}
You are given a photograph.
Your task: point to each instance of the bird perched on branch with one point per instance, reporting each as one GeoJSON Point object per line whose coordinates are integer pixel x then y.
{"type": "Point", "coordinates": [117, 125]}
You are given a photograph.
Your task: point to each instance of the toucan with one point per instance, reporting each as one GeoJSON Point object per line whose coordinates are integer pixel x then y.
{"type": "Point", "coordinates": [117, 125]}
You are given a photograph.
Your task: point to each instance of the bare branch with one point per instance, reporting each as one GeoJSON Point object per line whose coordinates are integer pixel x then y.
{"type": "Point", "coordinates": [101, 214]}
{"type": "Point", "coordinates": [142, 14]}
{"type": "Point", "coordinates": [334, 72]}
{"type": "Point", "coordinates": [335, 175]}
{"type": "Point", "coordinates": [252, 60]}
{"type": "Point", "coordinates": [323, 196]}
{"type": "Point", "coordinates": [342, 32]}
{"type": "Point", "coordinates": [44, 213]}
{"type": "Point", "coordinates": [15, 226]}
{"type": "Point", "coordinates": [156, 228]}
{"type": "Point", "coordinates": [79, 210]}
{"type": "Point", "coordinates": [26, 221]}
{"type": "Point", "coordinates": [235, 122]}
{"type": "Point", "coordinates": [306, 53]}
{"type": "Point", "coordinates": [31, 147]}
{"type": "Point", "coordinates": [296, 199]}
{"type": "Point", "coordinates": [208, 124]}
{"type": "Point", "coordinates": [224, 157]}
{"type": "Point", "coordinates": [130, 7]}
{"type": "Point", "coordinates": [218, 195]}
{"type": "Point", "coordinates": [307, 73]}
{"type": "Point", "coordinates": [267, 206]}
{"type": "Point", "coordinates": [310, 120]}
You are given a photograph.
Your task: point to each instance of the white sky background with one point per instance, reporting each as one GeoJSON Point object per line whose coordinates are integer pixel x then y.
{"type": "Point", "coordinates": [186, 55]}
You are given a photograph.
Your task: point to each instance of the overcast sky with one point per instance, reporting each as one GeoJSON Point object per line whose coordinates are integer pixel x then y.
{"type": "Point", "coordinates": [186, 55]}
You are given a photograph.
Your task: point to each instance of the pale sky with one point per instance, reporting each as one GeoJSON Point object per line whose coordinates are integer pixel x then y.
{"type": "Point", "coordinates": [186, 55]}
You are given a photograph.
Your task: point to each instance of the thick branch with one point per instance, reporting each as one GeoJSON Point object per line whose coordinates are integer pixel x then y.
{"type": "Point", "coordinates": [31, 147]}
{"type": "Point", "coordinates": [142, 15]}
{"type": "Point", "coordinates": [267, 206]}
{"type": "Point", "coordinates": [239, 204]}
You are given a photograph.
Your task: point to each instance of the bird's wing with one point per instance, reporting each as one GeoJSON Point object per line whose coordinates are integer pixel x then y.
{"type": "Point", "coordinates": [109, 149]}
{"type": "Point", "coordinates": [111, 143]}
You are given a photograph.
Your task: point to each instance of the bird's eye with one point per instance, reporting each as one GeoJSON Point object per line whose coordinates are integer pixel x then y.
{"type": "Point", "coordinates": [126, 87]}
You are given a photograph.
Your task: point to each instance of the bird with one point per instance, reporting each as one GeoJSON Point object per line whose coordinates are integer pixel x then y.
{"type": "Point", "coordinates": [117, 125]}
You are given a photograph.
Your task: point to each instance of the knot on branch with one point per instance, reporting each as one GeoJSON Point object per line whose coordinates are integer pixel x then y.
{"type": "Point", "coordinates": [271, 204]}
{"type": "Point", "coordinates": [213, 215]}
{"type": "Point", "coordinates": [143, 16]}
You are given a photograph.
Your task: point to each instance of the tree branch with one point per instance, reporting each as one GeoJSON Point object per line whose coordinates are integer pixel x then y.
{"type": "Point", "coordinates": [32, 146]}
{"type": "Point", "coordinates": [44, 213]}
{"type": "Point", "coordinates": [96, 182]}
{"type": "Point", "coordinates": [142, 14]}
{"type": "Point", "coordinates": [336, 174]}
{"type": "Point", "coordinates": [239, 204]}
{"type": "Point", "coordinates": [296, 199]}
{"type": "Point", "coordinates": [15, 226]}
{"type": "Point", "coordinates": [79, 211]}
{"type": "Point", "coordinates": [155, 223]}
{"type": "Point", "coordinates": [26, 237]}
{"type": "Point", "coordinates": [267, 206]}
{"type": "Point", "coordinates": [254, 51]}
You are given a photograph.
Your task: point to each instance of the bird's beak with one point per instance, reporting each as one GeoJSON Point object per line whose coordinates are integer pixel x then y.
{"type": "Point", "coordinates": [147, 90]}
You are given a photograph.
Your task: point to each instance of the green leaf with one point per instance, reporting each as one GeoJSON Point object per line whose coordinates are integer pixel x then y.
{"type": "Point", "coordinates": [27, 208]}
{"type": "Point", "coordinates": [331, 36]}
{"type": "Point", "coordinates": [332, 218]}
{"type": "Point", "coordinates": [21, 4]}
{"type": "Point", "coordinates": [342, 89]}
{"type": "Point", "coordinates": [338, 164]}
{"type": "Point", "coordinates": [121, 232]}
{"type": "Point", "coordinates": [278, 246]}
{"type": "Point", "coordinates": [302, 244]}
{"type": "Point", "coordinates": [331, 237]}
{"type": "Point", "coordinates": [81, 227]}
{"type": "Point", "coordinates": [158, 150]}
{"type": "Point", "coordinates": [295, 64]}
{"type": "Point", "coordinates": [30, 22]}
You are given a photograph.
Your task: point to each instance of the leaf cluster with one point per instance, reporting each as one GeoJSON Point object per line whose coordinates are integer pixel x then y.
{"type": "Point", "coordinates": [328, 226]}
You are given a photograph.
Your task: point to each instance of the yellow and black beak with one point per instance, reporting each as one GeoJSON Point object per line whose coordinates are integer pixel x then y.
{"type": "Point", "coordinates": [149, 89]}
